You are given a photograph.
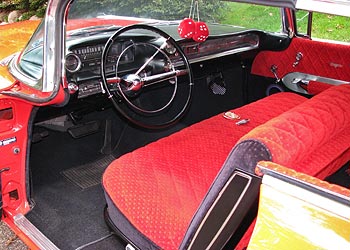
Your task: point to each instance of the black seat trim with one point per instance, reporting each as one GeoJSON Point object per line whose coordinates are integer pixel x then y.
{"type": "Point", "coordinates": [226, 213]}
{"type": "Point", "coordinates": [213, 225]}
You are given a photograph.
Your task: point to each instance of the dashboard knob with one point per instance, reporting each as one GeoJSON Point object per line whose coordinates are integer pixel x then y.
{"type": "Point", "coordinates": [72, 87]}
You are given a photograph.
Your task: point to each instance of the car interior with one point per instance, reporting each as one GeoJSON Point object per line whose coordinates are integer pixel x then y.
{"type": "Point", "coordinates": [103, 175]}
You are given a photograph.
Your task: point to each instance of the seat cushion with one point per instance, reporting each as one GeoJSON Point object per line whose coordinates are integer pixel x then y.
{"type": "Point", "coordinates": [153, 192]}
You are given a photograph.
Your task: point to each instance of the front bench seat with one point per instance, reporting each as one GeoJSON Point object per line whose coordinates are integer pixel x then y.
{"type": "Point", "coordinates": [163, 202]}
{"type": "Point", "coordinates": [312, 138]}
{"type": "Point", "coordinates": [153, 193]}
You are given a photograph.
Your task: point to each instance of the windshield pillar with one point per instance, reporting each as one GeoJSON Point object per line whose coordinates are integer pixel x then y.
{"type": "Point", "coordinates": [54, 44]}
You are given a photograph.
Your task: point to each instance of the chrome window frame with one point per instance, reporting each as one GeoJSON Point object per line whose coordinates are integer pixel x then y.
{"type": "Point", "coordinates": [53, 73]}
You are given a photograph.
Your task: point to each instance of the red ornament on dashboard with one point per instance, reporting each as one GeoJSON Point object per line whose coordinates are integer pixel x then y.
{"type": "Point", "coordinates": [186, 28]}
{"type": "Point", "coordinates": [201, 32]}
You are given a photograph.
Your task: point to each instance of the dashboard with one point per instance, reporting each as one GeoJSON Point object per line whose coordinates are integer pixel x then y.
{"type": "Point", "coordinates": [83, 58]}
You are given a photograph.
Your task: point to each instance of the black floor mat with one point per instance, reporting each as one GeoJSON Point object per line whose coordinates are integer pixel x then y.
{"type": "Point", "coordinates": [109, 241]}
{"type": "Point", "coordinates": [69, 215]}
{"type": "Point", "coordinates": [90, 174]}
{"type": "Point", "coordinates": [67, 191]}
{"type": "Point", "coordinates": [72, 220]}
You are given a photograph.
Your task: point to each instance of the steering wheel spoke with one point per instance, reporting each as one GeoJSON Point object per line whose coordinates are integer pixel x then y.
{"type": "Point", "coordinates": [154, 79]}
{"type": "Point", "coordinates": [113, 80]}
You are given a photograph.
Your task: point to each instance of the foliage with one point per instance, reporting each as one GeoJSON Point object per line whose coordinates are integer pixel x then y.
{"type": "Point", "coordinates": [253, 16]}
{"type": "Point", "coordinates": [178, 9]}
{"type": "Point", "coordinates": [324, 26]}
{"type": "Point", "coordinates": [209, 10]}
{"type": "Point", "coordinates": [29, 7]}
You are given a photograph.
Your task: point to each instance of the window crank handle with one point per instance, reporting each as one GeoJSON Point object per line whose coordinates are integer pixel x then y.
{"type": "Point", "coordinates": [298, 57]}
{"type": "Point", "coordinates": [273, 69]}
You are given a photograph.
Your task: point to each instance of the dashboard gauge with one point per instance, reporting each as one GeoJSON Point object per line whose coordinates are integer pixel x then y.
{"type": "Point", "coordinates": [73, 63]}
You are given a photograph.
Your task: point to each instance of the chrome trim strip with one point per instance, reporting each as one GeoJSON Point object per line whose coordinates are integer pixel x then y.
{"type": "Point", "coordinates": [311, 197]}
{"type": "Point", "coordinates": [19, 74]}
{"type": "Point", "coordinates": [54, 50]}
{"type": "Point", "coordinates": [5, 61]}
{"type": "Point", "coordinates": [54, 44]}
{"type": "Point", "coordinates": [224, 53]}
{"type": "Point", "coordinates": [33, 233]}
{"type": "Point", "coordinates": [304, 185]}
{"type": "Point", "coordinates": [291, 81]}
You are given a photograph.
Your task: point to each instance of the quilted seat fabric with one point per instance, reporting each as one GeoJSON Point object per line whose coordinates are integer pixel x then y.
{"type": "Point", "coordinates": [310, 136]}
{"type": "Point", "coordinates": [158, 188]}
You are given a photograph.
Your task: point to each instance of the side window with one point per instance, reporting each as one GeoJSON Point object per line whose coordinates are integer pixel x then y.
{"type": "Point", "coordinates": [253, 16]}
{"type": "Point", "coordinates": [323, 26]}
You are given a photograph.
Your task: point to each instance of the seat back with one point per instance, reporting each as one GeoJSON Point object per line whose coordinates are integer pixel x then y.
{"type": "Point", "coordinates": [320, 125]}
{"type": "Point", "coordinates": [311, 136]}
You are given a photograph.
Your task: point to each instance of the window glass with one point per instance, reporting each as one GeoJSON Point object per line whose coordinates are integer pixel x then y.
{"type": "Point", "coordinates": [253, 16]}
{"type": "Point", "coordinates": [211, 11]}
{"type": "Point", "coordinates": [324, 26]}
{"type": "Point", "coordinates": [31, 60]}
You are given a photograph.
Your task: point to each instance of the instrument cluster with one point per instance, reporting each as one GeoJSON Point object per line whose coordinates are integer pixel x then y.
{"type": "Point", "coordinates": [83, 65]}
{"type": "Point", "coordinates": [88, 58]}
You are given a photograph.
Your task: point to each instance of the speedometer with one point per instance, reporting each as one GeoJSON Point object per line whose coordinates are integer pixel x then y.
{"type": "Point", "coordinates": [73, 63]}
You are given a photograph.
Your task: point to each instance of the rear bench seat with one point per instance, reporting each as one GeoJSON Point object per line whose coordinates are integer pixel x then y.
{"type": "Point", "coordinates": [158, 195]}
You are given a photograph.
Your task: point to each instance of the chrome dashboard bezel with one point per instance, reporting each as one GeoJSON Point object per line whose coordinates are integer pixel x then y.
{"type": "Point", "coordinates": [78, 67]}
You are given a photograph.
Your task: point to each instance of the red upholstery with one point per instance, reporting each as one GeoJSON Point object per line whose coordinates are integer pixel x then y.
{"type": "Point", "coordinates": [319, 58]}
{"type": "Point", "coordinates": [315, 87]}
{"type": "Point", "coordinates": [159, 187]}
{"type": "Point", "coordinates": [312, 138]}
{"type": "Point", "coordinates": [309, 137]}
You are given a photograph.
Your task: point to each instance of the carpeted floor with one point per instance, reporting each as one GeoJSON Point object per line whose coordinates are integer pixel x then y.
{"type": "Point", "coordinates": [68, 214]}
{"type": "Point", "coordinates": [66, 185]}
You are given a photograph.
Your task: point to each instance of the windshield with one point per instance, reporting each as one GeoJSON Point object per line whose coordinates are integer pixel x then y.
{"type": "Point", "coordinates": [88, 18]}
{"type": "Point", "coordinates": [169, 10]}
{"type": "Point", "coordinates": [85, 12]}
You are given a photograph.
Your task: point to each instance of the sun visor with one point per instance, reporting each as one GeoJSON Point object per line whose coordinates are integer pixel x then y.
{"type": "Point", "coordinates": [334, 7]}
{"type": "Point", "coordinates": [275, 3]}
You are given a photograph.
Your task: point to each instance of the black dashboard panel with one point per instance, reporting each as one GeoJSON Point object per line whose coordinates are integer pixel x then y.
{"type": "Point", "coordinates": [83, 60]}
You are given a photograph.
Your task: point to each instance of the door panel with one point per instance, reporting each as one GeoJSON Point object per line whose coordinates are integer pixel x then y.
{"type": "Point", "coordinates": [317, 58]}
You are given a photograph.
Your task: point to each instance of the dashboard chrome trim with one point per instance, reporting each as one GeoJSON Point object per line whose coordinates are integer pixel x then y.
{"type": "Point", "coordinates": [224, 53]}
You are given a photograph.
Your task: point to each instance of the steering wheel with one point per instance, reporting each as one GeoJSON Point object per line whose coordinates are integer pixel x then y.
{"type": "Point", "coordinates": [147, 76]}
